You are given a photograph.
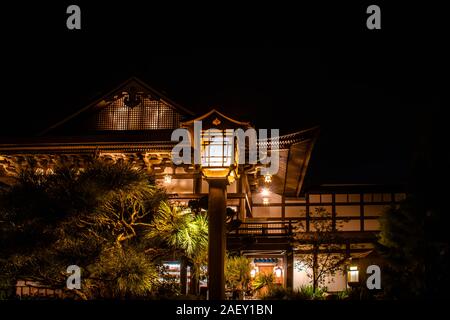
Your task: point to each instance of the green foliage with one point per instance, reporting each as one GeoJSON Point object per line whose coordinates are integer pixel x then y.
{"type": "Point", "coordinates": [122, 273]}
{"type": "Point", "coordinates": [92, 218]}
{"type": "Point", "coordinates": [303, 293]}
{"type": "Point", "coordinates": [180, 229]}
{"type": "Point", "coordinates": [184, 231]}
{"type": "Point", "coordinates": [237, 272]}
{"type": "Point", "coordinates": [343, 295]}
{"type": "Point", "coordinates": [278, 293]}
{"type": "Point", "coordinates": [6, 287]}
{"type": "Point", "coordinates": [263, 280]}
{"type": "Point", "coordinates": [311, 293]}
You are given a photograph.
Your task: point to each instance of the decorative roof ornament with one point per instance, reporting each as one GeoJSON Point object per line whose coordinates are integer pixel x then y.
{"type": "Point", "coordinates": [216, 122]}
{"type": "Point", "coordinates": [133, 98]}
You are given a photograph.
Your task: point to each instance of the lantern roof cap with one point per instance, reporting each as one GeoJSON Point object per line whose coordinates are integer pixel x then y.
{"type": "Point", "coordinates": [217, 120]}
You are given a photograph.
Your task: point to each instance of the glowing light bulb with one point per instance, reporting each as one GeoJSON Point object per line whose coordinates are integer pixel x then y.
{"type": "Point", "coordinates": [167, 179]}
{"type": "Point", "coordinates": [265, 192]}
{"type": "Point", "coordinates": [278, 272]}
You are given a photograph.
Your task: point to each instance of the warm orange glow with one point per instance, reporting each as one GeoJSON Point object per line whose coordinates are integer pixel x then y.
{"type": "Point", "coordinates": [353, 275]}
{"type": "Point", "coordinates": [253, 272]}
{"type": "Point", "coordinates": [217, 148]}
{"type": "Point", "coordinates": [167, 179]}
{"type": "Point", "coordinates": [265, 192]}
{"type": "Point", "coordinates": [278, 272]}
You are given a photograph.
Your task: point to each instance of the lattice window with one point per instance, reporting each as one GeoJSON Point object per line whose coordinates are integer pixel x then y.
{"type": "Point", "coordinates": [217, 148]}
{"type": "Point", "coordinates": [147, 115]}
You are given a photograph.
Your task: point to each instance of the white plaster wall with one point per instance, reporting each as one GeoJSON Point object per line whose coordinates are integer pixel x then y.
{"type": "Point", "coordinates": [335, 283]}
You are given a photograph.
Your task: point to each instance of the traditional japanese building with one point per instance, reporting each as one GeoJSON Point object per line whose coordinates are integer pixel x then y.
{"type": "Point", "coordinates": [134, 123]}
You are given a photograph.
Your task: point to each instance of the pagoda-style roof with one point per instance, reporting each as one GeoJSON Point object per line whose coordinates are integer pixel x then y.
{"type": "Point", "coordinates": [218, 120]}
{"type": "Point", "coordinates": [295, 152]}
{"type": "Point", "coordinates": [135, 118]}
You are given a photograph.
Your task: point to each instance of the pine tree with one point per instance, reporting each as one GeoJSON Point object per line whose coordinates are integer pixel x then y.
{"type": "Point", "coordinates": [94, 219]}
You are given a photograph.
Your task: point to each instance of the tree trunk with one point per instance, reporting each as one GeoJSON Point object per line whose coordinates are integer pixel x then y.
{"type": "Point", "coordinates": [194, 281]}
{"type": "Point", "coordinates": [183, 275]}
{"type": "Point", "coordinates": [315, 253]}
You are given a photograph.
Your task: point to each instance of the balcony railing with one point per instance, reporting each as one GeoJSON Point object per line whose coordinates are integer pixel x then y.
{"type": "Point", "coordinates": [266, 228]}
{"type": "Point", "coordinates": [286, 227]}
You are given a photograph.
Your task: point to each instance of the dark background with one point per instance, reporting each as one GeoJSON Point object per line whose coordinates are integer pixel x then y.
{"type": "Point", "coordinates": [276, 65]}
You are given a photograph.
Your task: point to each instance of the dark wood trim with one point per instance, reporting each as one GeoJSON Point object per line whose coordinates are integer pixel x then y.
{"type": "Point", "coordinates": [307, 159]}
{"type": "Point", "coordinates": [289, 267]}
{"type": "Point", "coordinates": [307, 213]}
{"type": "Point", "coordinates": [286, 171]}
{"type": "Point", "coordinates": [361, 212]}
{"type": "Point", "coordinates": [198, 184]}
{"type": "Point", "coordinates": [342, 251]}
{"type": "Point", "coordinates": [326, 204]}
{"type": "Point", "coordinates": [192, 196]}
{"type": "Point", "coordinates": [333, 212]}
{"type": "Point", "coordinates": [271, 220]}
{"type": "Point", "coordinates": [347, 249]}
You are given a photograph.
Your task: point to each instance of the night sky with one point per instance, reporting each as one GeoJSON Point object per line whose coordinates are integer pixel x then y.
{"type": "Point", "coordinates": [278, 67]}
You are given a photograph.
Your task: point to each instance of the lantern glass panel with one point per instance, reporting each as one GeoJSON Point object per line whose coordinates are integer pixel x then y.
{"type": "Point", "coordinates": [217, 148]}
{"type": "Point", "coordinates": [353, 275]}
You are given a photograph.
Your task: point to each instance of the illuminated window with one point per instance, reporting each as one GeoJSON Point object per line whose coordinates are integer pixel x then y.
{"type": "Point", "coordinates": [367, 197]}
{"type": "Point", "coordinates": [341, 198]}
{"type": "Point", "coordinates": [354, 197]}
{"type": "Point", "coordinates": [377, 197]}
{"type": "Point", "coordinates": [217, 148]}
{"type": "Point", "coordinates": [326, 198]}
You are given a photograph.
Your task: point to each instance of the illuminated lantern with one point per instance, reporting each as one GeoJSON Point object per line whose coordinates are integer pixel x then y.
{"type": "Point", "coordinates": [353, 276]}
{"type": "Point", "coordinates": [218, 154]}
{"type": "Point", "coordinates": [268, 178]}
{"type": "Point", "coordinates": [278, 272]}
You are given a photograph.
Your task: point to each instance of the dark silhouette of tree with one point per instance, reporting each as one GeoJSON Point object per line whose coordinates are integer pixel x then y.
{"type": "Point", "coordinates": [414, 237]}
{"type": "Point", "coordinates": [93, 219]}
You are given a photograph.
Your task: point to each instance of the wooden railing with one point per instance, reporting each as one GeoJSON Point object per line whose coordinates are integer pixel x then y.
{"type": "Point", "coordinates": [265, 228]}
{"type": "Point", "coordinates": [286, 227]}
